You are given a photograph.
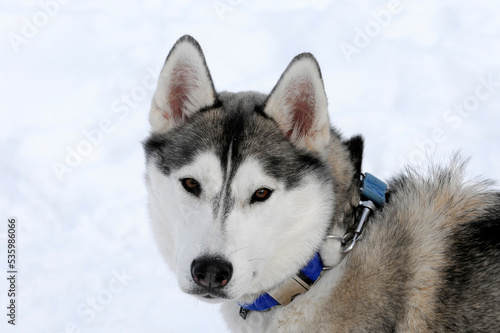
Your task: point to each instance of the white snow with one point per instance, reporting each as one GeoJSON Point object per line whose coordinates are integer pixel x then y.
{"type": "Point", "coordinates": [74, 70]}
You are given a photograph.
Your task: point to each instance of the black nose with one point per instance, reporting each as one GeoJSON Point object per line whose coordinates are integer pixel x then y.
{"type": "Point", "coordinates": [211, 273]}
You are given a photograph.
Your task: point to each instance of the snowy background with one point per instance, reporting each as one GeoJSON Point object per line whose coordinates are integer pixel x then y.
{"type": "Point", "coordinates": [417, 78]}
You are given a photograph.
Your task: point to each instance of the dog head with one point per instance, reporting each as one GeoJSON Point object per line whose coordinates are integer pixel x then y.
{"type": "Point", "coordinates": [240, 190]}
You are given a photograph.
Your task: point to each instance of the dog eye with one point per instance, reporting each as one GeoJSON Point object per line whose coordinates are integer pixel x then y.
{"type": "Point", "coordinates": [262, 194]}
{"type": "Point", "coordinates": [192, 186]}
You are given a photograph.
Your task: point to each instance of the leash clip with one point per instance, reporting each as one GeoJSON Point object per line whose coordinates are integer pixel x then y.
{"type": "Point", "coordinates": [373, 192]}
{"type": "Point", "coordinates": [351, 237]}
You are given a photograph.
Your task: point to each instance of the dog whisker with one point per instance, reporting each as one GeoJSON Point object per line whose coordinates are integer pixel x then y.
{"type": "Point", "coordinates": [253, 259]}
{"type": "Point", "coordinates": [241, 248]}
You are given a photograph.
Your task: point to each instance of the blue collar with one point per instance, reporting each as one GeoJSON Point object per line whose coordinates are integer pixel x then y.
{"type": "Point", "coordinates": [300, 283]}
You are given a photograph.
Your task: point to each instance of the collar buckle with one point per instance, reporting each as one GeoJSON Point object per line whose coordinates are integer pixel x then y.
{"type": "Point", "coordinates": [291, 289]}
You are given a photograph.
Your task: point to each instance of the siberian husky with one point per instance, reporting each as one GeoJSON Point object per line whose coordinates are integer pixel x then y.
{"type": "Point", "coordinates": [257, 202]}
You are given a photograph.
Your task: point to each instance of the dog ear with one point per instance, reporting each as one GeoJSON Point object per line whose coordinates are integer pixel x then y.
{"type": "Point", "coordinates": [184, 86]}
{"type": "Point", "coordinates": [298, 104]}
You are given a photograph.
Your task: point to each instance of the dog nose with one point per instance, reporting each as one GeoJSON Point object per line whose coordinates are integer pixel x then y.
{"type": "Point", "coordinates": [211, 273]}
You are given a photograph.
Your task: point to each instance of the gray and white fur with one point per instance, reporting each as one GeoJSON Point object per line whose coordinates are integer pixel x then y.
{"type": "Point", "coordinates": [244, 187]}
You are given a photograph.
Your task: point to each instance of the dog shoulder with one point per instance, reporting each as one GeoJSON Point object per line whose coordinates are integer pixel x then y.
{"type": "Point", "coordinates": [452, 230]}
{"type": "Point", "coordinates": [471, 277]}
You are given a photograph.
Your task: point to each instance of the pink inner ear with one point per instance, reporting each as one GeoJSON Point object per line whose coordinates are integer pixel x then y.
{"type": "Point", "coordinates": [302, 101]}
{"type": "Point", "coordinates": [179, 91]}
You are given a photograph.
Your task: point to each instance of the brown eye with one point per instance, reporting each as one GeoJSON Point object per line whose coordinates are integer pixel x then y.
{"type": "Point", "coordinates": [192, 186]}
{"type": "Point", "coordinates": [262, 194]}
